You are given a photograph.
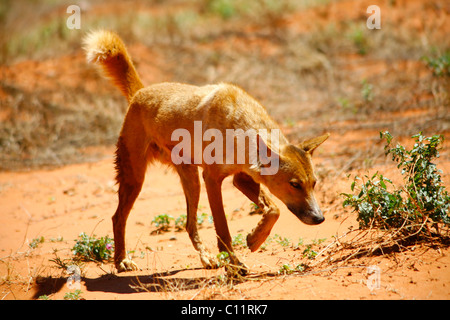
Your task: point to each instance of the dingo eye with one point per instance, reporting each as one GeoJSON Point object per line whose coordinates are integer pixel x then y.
{"type": "Point", "coordinates": [295, 185]}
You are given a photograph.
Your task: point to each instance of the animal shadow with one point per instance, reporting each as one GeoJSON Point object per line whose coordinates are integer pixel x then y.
{"type": "Point", "coordinates": [156, 282]}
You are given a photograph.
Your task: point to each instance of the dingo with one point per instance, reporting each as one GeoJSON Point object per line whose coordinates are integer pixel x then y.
{"type": "Point", "coordinates": [155, 112]}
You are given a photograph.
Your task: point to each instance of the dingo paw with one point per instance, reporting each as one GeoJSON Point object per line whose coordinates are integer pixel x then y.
{"type": "Point", "coordinates": [237, 269]}
{"type": "Point", "coordinates": [254, 242]}
{"type": "Point", "coordinates": [127, 265]}
{"type": "Point", "coordinates": [208, 261]}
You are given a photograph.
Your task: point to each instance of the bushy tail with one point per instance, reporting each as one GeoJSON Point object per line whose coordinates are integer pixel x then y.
{"type": "Point", "coordinates": [107, 49]}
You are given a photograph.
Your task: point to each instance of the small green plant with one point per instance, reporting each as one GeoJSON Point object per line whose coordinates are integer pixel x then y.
{"type": "Point", "coordinates": [58, 239]}
{"type": "Point", "coordinates": [309, 252]}
{"type": "Point", "coordinates": [180, 222]}
{"type": "Point", "coordinates": [162, 221]}
{"type": "Point", "coordinates": [288, 269]}
{"type": "Point", "coordinates": [360, 41]}
{"type": "Point", "coordinates": [422, 202]}
{"type": "Point", "coordinates": [201, 218]}
{"type": "Point", "coordinates": [367, 91]}
{"type": "Point", "coordinates": [239, 240]}
{"type": "Point", "coordinates": [36, 242]}
{"type": "Point", "coordinates": [225, 8]}
{"type": "Point", "coordinates": [254, 209]}
{"type": "Point", "coordinates": [63, 263]}
{"type": "Point", "coordinates": [282, 241]}
{"type": "Point", "coordinates": [89, 248]}
{"type": "Point", "coordinates": [76, 295]}
{"type": "Point", "coordinates": [223, 259]}
{"type": "Point", "coordinates": [439, 65]}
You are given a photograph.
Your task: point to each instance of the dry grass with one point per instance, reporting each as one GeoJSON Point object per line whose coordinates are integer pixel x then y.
{"type": "Point", "coordinates": [297, 76]}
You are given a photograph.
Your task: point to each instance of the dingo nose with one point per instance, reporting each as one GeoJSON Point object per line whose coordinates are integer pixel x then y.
{"type": "Point", "coordinates": [311, 217]}
{"type": "Point", "coordinates": [318, 219]}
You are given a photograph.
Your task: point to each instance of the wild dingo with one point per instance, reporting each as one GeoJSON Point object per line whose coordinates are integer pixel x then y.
{"type": "Point", "coordinates": [149, 133]}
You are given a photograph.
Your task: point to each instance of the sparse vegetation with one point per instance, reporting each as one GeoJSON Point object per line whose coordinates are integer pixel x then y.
{"type": "Point", "coordinates": [90, 248]}
{"type": "Point", "coordinates": [35, 242]}
{"type": "Point", "coordinates": [76, 295]}
{"type": "Point", "coordinates": [413, 209]}
{"type": "Point", "coordinates": [359, 38]}
{"type": "Point", "coordinates": [239, 240]}
{"type": "Point", "coordinates": [395, 217]}
{"type": "Point", "coordinates": [223, 259]}
{"type": "Point", "coordinates": [288, 269]}
{"type": "Point", "coordinates": [180, 222]}
{"type": "Point", "coordinates": [162, 221]}
{"type": "Point", "coordinates": [367, 91]}
{"type": "Point", "coordinates": [439, 65]}
{"type": "Point", "coordinates": [282, 241]}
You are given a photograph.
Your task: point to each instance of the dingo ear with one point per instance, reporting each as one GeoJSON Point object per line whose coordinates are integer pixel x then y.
{"type": "Point", "coordinates": [310, 145]}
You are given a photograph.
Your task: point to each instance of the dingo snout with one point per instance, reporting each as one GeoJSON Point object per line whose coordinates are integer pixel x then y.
{"type": "Point", "coordinates": [310, 215]}
{"type": "Point", "coordinates": [295, 181]}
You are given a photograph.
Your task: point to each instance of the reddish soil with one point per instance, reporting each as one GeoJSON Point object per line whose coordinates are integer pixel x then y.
{"type": "Point", "coordinates": [61, 203]}
{"type": "Point", "coordinates": [58, 204]}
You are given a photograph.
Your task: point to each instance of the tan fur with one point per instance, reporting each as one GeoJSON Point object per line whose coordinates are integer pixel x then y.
{"type": "Point", "coordinates": [156, 111]}
{"type": "Point", "coordinates": [107, 49]}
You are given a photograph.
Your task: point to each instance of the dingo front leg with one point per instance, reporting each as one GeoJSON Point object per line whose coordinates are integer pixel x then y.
{"type": "Point", "coordinates": [213, 184]}
{"type": "Point", "coordinates": [191, 187]}
{"type": "Point", "coordinates": [271, 213]}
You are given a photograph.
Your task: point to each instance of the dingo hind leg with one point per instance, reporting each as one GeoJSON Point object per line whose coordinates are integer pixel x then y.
{"type": "Point", "coordinates": [131, 164]}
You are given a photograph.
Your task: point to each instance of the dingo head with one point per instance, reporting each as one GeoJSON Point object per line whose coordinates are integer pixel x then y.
{"type": "Point", "coordinates": [295, 180]}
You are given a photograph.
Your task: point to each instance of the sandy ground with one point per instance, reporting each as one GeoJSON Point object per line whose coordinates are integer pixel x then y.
{"type": "Point", "coordinates": [59, 204]}
{"type": "Point", "coordinates": [56, 205]}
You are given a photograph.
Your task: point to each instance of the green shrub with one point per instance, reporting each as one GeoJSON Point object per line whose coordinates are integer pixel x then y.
{"type": "Point", "coordinates": [162, 221]}
{"type": "Point", "coordinates": [76, 295]}
{"type": "Point", "coordinates": [180, 222]}
{"type": "Point", "coordinates": [239, 240]}
{"type": "Point", "coordinates": [89, 248]}
{"type": "Point", "coordinates": [422, 202]}
{"type": "Point", "coordinates": [286, 269]}
{"type": "Point", "coordinates": [439, 65]}
{"type": "Point", "coordinates": [36, 242]}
